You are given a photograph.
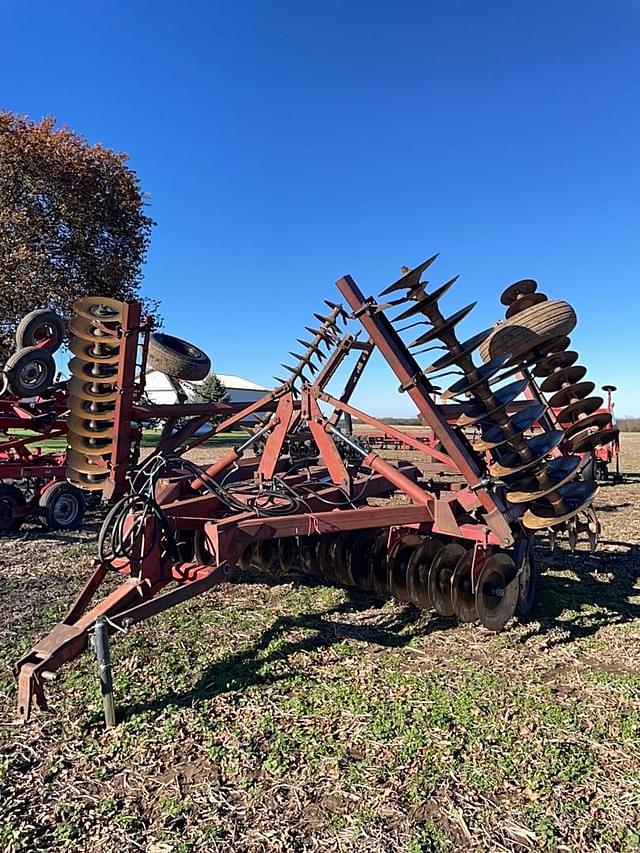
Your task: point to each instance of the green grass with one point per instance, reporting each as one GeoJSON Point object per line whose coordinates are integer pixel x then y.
{"type": "Point", "coordinates": [149, 439]}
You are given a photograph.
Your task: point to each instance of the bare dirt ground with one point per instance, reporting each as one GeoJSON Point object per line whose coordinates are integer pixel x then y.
{"type": "Point", "coordinates": [274, 714]}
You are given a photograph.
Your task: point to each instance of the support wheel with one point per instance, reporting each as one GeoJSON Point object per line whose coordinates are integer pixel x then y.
{"type": "Point", "coordinates": [42, 328]}
{"type": "Point", "coordinates": [63, 506]}
{"type": "Point", "coordinates": [11, 499]}
{"type": "Point", "coordinates": [30, 371]}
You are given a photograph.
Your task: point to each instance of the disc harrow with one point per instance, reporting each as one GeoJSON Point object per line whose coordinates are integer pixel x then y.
{"type": "Point", "coordinates": [305, 492]}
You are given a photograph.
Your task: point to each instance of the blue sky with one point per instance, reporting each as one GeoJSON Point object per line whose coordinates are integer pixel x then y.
{"type": "Point", "coordinates": [283, 144]}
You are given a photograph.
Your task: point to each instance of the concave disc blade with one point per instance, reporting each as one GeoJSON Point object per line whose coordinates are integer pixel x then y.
{"type": "Point", "coordinates": [443, 327]}
{"type": "Point", "coordinates": [452, 357]}
{"type": "Point", "coordinates": [411, 278]}
{"type": "Point", "coordinates": [325, 558]}
{"type": "Point", "coordinates": [91, 370]}
{"type": "Point", "coordinates": [518, 288]}
{"type": "Point", "coordinates": [418, 572]}
{"type": "Point", "coordinates": [574, 496]}
{"type": "Point", "coordinates": [87, 350]}
{"type": "Point", "coordinates": [92, 409]}
{"type": "Point", "coordinates": [509, 461]}
{"type": "Point", "coordinates": [359, 558]}
{"type": "Point", "coordinates": [598, 419]}
{"type": "Point", "coordinates": [566, 376]}
{"type": "Point", "coordinates": [429, 300]}
{"type": "Point", "coordinates": [439, 580]}
{"type": "Point", "coordinates": [567, 395]}
{"type": "Point", "coordinates": [592, 438]}
{"type": "Point", "coordinates": [555, 473]}
{"type": "Point", "coordinates": [341, 563]}
{"type": "Point", "coordinates": [378, 558]}
{"type": "Point", "coordinates": [85, 389]}
{"type": "Point", "coordinates": [90, 427]}
{"type": "Point", "coordinates": [85, 329]}
{"type": "Point", "coordinates": [484, 373]}
{"type": "Point", "coordinates": [100, 308]}
{"type": "Point", "coordinates": [497, 592]}
{"type": "Point", "coordinates": [82, 465]}
{"type": "Point", "coordinates": [463, 597]}
{"type": "Point", "coordinates": [580, 407]}
{"type": "Point", "coordinates": [555, 361]}
{"type": "Point", "coordinates": [493, 436]}
{"type": "Point", "coordinates": [85, 481]}
{"type": "Point", "coordinates": [477, 410]}
{"type": "Point", "coordinates": [398, 564]}
{"type": "Point", "coordinates": [539, 350]}
{"type": "Point", "coordinates": [90, 446]}
{"type": "Point", "coordinates": [523, 302]}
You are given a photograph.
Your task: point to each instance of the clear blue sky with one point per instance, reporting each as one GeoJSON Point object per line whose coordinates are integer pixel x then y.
{"type": "Point", "coordinates": [284, 144]}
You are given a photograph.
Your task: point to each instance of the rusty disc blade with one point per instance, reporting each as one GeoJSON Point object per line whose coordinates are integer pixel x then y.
{"type": "Point", "coordinates": [479, 410]}
{"type": "Point", "coordinates": [440, 574]}
{"type": "Point", "coordinates": [429, 300]}
{"type": "Point", "coordinates": [555, 361]}
{"type": "Point", "coordinates": [91, 409]}
{"type": "Point", "coordinates": [598, 419]}
{"type": "Point", "coordinates": [463, 598]}
{"type": "Point", "coordinates": [445, 326]}
{"type": "Point", "coordinates": [418, 572]}
{"type": "Point", "coordinates": [465, 349]}
{"type": "Point", "coordinates": [91, 371]}
{"type": "Point", "coordinates": [398, 564]}
{"type": "Point", "coordinates": [566, 376]}
{"type": "Point", "coordinates": [87, 331]}
{"type": "Point", "coordinates": [560, 506]}
{"type": "Point", "coordinates": [89, 427]}
{"type": "Point", "coordinates": [591, 438]}
{"type": "Point", "coordinates": [85, 389]}
{"type": "Point", "coordinates": [484, 373]}
{"type": "Point", "coordinates": [519, 288]}
{"type": "Point", "coordinates": [101, 308]}
{"type": "Point", "coordinates": [510, 461]}
{"type": "Point", "coordinates": [555, 473]}
{"type": "Point", "coordinates": [523, 302]}
{"type": "Point", "coordinates": [377, 568]}
{"type": "Point", "coordinates": [94, 351]}
{"type": "Point", "coordinates": [497, 592]}
{"type": "Point", "coordinates": [411, 278]}
{"type": "Point", "coordinates": [81, 464]}
{"type": "Point", "coordinates": [495, 435]}
{"type": "Point", "coordinates": [580, 407]}
{"type": "Point", "coordinates": [571, 393]}
{"type": "Point", "coordinates": [90, 446]}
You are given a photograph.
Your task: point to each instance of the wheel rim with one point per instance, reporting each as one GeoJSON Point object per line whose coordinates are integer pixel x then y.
{"type": "Point", "coordinates": [32, 375]}
{"type": "Point", "coordinates": [65, 509]}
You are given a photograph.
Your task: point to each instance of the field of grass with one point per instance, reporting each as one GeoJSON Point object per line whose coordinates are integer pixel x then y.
{"type": "Point", "coordinates": [149, 439]}
{"type": "Point", "coordinates": [275, 714]}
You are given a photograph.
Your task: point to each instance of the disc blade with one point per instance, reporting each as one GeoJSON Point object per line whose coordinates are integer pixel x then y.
{"type": "Point", "coordinates": [566, 376]}
{"type": "Point", "coordinates": [85, 329]}
{"type": "Point", "coordinates": [428, 301]}
{"type": "Point", "coordinates": [101, 308]}
{"type": "Point", "coordinates": [463, 598]}
{"type": "Point", "coordinates": [452, 357]}
{"type": "Point", "coordinates": [418, 572]}
{"type": "Point", "coordinates": [90, 446]}
{"type": "Point", "coordinates": [592, 438]}
{"type": "Point", "coordinates": [443, 327]}
{"type": "Point", "coordinates": [91, 371]}
{"type": "Point", "coordinates": [598, 419]}
{"type": "Point", "coordinates": [484, 373]}
{"type": "Point", "coordinates": [523, 302]}
{"type": "Point", "coordinates": [478, 410]}
{"type": "Point", "coordinates": [78, 462]}
{"type": "Point", "coordinates": [91, 409]}
{"type": "Point", "coordinates": [87, 390]}
{"type": "Point", "coordinates": [494, 436]}
{"type": "Point", "coordinates": [440, 574]}
{"type": "Point", "coordinates": [411, 278]}
{"type": "Point", "coordinates": [509, 461]}
{"type": "Point", "coordinates": [398, 564]}
{"type": "Point", "coordinates": [518, 288]}
{"type": "Point", "coordinates": [555, 361]}
{"type": "Point", "coordinates": [569, 394]}
{"type": "Point", "coordinates": [547, 512]}
{"type": "Point", "coordinates": [87, 427]}
{"type": "Point", "coordinates": [497, 592]}
{"type": "Point", "coordinates": [87, 351]}
{"type": "Point", "coordinates": [555, 473]}
{"type": "Point", "coordinates": [580, 407]}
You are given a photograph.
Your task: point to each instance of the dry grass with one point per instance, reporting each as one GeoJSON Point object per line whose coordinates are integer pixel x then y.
{"type": "Point", "coordinates": [273, 714]}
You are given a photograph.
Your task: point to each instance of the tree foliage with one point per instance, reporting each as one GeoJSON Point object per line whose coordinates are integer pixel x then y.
{"type": "Point", "coordinates": [72, 222]}
{"type": "Point", "coordinates": [212, 390]}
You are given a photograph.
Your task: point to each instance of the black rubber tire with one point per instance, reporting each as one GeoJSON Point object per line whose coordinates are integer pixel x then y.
{"type": "Point", "coordinates": [529, 328]}
{"type": "Point", "coordinates": [177, 358]}
{"type": "Point", "coordinates": [63, 506]}
{"type": "Point", "coordinates": [30, 371]}
{"type": "Point", "coordinates": [11, 498]}
{"type": "Point", "coordinates": [38, 325]}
